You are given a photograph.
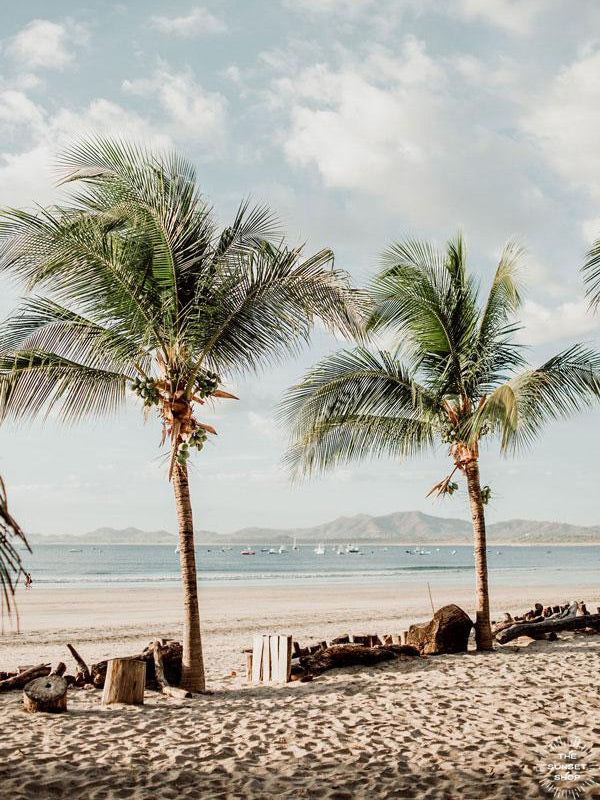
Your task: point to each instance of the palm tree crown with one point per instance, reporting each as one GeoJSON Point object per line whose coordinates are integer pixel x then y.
{"type": "Point", "coordinates": [452, 372]}
{"type": "Point", "coordinates": [143, 290]}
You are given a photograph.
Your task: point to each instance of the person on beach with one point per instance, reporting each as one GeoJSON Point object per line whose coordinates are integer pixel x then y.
{"type": "Point", "coordinates": [27, 580]}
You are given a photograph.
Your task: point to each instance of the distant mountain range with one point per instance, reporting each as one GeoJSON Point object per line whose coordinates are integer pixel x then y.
{"type": "Point", "coordinates": [403, 527]}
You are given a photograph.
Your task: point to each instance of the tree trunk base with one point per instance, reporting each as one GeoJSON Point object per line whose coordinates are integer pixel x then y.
{"type": "Point", "coordinates": [48, 695]}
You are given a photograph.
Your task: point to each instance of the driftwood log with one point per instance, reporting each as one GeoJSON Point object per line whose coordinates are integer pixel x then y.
{"type": "Point", "coordinates": [159, 674]}
{"type": "Point", "coordinates": [447, 632]}
{"type": "Point", "coordinates": [47, 694]}
{"type": "Point", "coordinates": [83, 675]}
{"type": "Point", "coordinates": [125, 681]}
{"type": "Point", "coordinates": [22, 679]}
{"type": "Point", "coordinates": [347, 655]}
{"type": "Point", "coordinates": [536, 629]}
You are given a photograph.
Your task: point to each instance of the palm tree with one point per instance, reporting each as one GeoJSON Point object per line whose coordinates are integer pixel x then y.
{"type": "Point", "coordinates": [142, 292]}
{"type": "Point", "coordinates": [452, 373]}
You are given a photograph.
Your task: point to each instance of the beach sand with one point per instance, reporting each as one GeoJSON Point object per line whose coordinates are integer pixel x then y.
{"type": "Point", "coordinates": [445, 727]}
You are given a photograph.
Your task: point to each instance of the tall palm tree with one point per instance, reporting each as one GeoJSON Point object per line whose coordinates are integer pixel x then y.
{"type": "Point", "coordinates": [452, 374]}
{"type": "Point", "coordinates": [143, 292]}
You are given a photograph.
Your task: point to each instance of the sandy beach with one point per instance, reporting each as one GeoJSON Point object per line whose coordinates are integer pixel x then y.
{"type": "Point", "coordinates": [453, 727]}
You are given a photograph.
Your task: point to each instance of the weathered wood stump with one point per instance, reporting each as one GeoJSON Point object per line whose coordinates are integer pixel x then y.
{"type": "Point", "coordinates": [447, 632]}
{"type": "Point", "coordinates": [47, 694]}
{"type": "Point", "coordinates": [125, 682]}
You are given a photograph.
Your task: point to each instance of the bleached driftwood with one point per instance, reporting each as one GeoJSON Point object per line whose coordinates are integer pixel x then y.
{"type": "Point", "coordinates": [539, 629]}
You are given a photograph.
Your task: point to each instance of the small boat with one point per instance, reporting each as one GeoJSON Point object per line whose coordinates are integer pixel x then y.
{"type": "Point", "coordinates": [248, 552]}
{"type": "Point", "coordinates": [265, 549]}
{"type": "Point", "coordinates": [453, 553]}
{"type": "Point", "coordinates": [272, 552]}
{"type": "Point", "coordinates": [281, 550]}
{"type": "Point", "coordinates": [351, 550]}
{"type": "Point", "coordinates": [320, 550]}
{"type": "Point", "coordinates": [176, 549]}
{"type": "Point", "coordinates": [295, 546]}
{"type": "Point", "coordinates": [75, 550]}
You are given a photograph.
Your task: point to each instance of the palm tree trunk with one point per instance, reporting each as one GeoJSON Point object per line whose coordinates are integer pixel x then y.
{"type": "Point", "coordinates": [483, 629]}
{"type": "Point", "coordinates": [192, 665]}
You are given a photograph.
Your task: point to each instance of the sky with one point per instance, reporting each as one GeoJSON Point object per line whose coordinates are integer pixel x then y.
{"type": "Point", "coordinates": [360, 122]}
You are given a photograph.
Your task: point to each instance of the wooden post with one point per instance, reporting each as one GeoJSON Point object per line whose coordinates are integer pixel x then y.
{"type": "Point", "coordinates": [266, 666]}
{"type": "Point", "coordinates": [270, 660]}
{"type": "Point", "coordinates": [46, 694]}
{"type": "Point", "coordinates": [248, 665]}
{"type": "Point", "coordinates": [274, 649]}
{"type": "Point", "coordinates": [125, 682]}
{"type": "Point", "coordinates": [285, 659]}
{"type": "Point", "coordinates": [257, 657]}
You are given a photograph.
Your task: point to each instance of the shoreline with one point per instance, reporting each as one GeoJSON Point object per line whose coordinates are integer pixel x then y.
{"type": "Point", "coordinates": [103, 616]}
{"type": "Point", "coordinates": [330, 543]}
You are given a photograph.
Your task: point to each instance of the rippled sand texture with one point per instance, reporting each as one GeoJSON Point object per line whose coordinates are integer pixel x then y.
{"type": "Point", "coordinates": [452, 727]}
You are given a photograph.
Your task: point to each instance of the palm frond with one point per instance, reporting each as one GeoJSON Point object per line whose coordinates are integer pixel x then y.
{"type": "Point", "coordinates": [11, 565]}
{"type": "Point", "coordinates": [591, 275]}
{"type": "Point", "coordinates": [346, 398]}
{"type": "Point", "coordinates": [567, 383]}
{"type": "Point", "coordinates": [267, 304]}
{"type": "Point", "coordinates": [38, 382]}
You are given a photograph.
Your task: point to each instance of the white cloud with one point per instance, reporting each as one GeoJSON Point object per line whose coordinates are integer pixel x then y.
{"type": "Point", "coordinates": [591, 229]}
{"type": "Point", "coordinates": [198, 21]}
{"type": "Point", "coordinates": [43, 44]}
{"type": "Point", "coordinates": [564, 321]}
{"type": "Point", "coordinates": [406, 128]}
{"type": "Point", "coordinates": [17, 109]}
{"type": "Point", "coordinates": [323, 7]}
{"type": "Point", "coordinates": [265, 426]}
{"type": "Point", "coordinates": [191, 109]}
{"type": "Point", "coordinates": [565, 122]}
{"type": "Point", "coordinates": [514, 16]}
{"type": "Point", "coordinates": [27, 177]}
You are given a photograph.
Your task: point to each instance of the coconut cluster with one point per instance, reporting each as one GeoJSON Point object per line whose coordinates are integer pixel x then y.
{"type": "Point", "coordinates": [195, 439]}
{"type": "Point", "coordinates": [206, 384]}
{"type": "Point", "coordinates": [146, 389]}
{"type": "Point", "coordinates": [486, 494]}
{"type": "Point", "coordinates": [451, 434]}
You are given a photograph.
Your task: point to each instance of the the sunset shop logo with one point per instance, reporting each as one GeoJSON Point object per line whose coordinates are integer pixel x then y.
{"type": "Point", "coordinates": [567, 768]}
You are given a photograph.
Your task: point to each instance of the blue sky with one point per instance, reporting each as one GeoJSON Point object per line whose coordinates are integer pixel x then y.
{"type": "Point", "coordinates": [359, 121]}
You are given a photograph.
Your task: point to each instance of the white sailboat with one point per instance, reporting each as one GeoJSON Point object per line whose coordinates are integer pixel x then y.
{"type": "Point", "coordinates": [320, 549]}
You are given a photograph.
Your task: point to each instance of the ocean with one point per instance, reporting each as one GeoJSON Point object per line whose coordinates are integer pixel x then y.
{"type": "Point", "coordinates": [89, 566]}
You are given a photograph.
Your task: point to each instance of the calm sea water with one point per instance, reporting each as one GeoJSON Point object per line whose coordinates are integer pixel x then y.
{"type": "Point", "coordinates": [90, 566]}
